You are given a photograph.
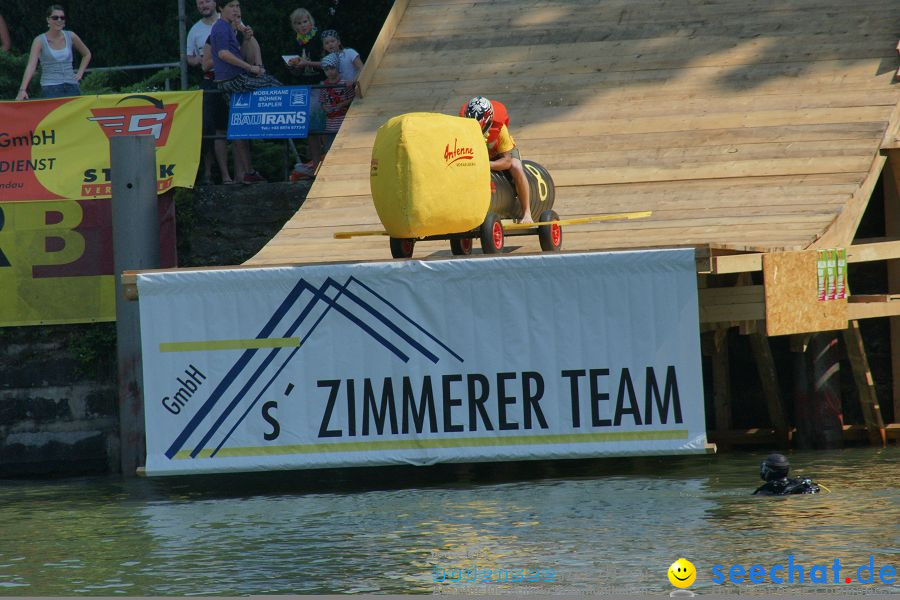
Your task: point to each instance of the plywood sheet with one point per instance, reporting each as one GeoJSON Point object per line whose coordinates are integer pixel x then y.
{"type": "Point", "coordinates": [791, 292]}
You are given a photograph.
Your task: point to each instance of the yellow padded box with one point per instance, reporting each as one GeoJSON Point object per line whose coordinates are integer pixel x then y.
{"type": "Point", "coordinates": [430, 175]}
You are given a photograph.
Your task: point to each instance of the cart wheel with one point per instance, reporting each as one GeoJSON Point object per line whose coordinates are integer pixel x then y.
{"type": "Point", "coordinates": [550, 235]}
{"type": "Point", "coordinates": [461, 246]}
{"type": "Point", "coordinates": [402, 247]}
{"type": "Point", "coordinates": [491, 234]}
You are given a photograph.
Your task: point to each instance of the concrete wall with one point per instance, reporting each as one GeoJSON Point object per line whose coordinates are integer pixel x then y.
{"type": "Point", "coordinates": [58, 405]}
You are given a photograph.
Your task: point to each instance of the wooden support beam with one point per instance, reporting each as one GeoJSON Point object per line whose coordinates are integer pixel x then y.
{"type": "Point", "coordinates": [727, 304]}
{"type": "Point", "coordinates": [737, 263]}
{"type": "Point", "coordinates": [872, 310]}
{"type": "Point", "coordinates": [768, 375]}
{"type": "Point", "coordinates": [755, 436]}
{"type": "Point", "coordinates": [863, 306]}
{"type": "Point", "coordinates": [890, 179]}
{"type": "Point", "coordinates": [842, 230]}
{"type": "Point", "coordinates": [759, 436]}
{"type": "Point", "coordinates": [721, 374]}
{"type": "Point", "coordinates": [869, 298]}
{"type": "Point", "coordinates": [865, 386]}
{"type": "Point", "coordinates": [887, 248]}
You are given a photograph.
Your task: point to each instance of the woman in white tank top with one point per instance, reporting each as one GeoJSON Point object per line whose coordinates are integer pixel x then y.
{"type": "Point", "coordinates": [54, 51]}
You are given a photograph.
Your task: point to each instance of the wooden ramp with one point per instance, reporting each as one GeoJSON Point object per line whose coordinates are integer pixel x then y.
{"type": "Point", "coordinates": [744, 124]}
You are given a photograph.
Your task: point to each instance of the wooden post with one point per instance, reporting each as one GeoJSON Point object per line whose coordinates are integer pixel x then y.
{"type": "Point", "coordinates": [890, 179]}
{"type": "Point", "coordinates": [868, 400]}
{"type": "Point", "coordinates": [802, 437]}
{"type": "Point", "coordinates": [768, 375]}
{"type": "Point", "coordinates": [721, 374]}
{"type": "Point", "coordinates": [135, 247]}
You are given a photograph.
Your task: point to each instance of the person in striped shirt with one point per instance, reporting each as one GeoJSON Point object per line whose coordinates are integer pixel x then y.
{"type": "Point", "coordinates": [335, 100]}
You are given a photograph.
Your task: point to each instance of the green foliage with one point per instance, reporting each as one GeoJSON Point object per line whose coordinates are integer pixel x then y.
{"type": "Point", "coordinates": [186, 220]}
{"type": "Point", "coordinates": [94, 348]}
{"type": "Point", "coordinates": [270, 160]}
{"type": "Point", "coordinates": [12, 66]}
{"type": "Point", "coordinates": [110, 82]}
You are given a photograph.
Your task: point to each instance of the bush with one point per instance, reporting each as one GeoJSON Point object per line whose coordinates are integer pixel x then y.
{"type": "Point", "coordinates": [12, 66]}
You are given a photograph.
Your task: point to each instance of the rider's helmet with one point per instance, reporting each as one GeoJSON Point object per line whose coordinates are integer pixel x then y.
{"type": "Point", "coordinates": [775, 466]}
{"type": "Point", "coordinates": [480, 108]}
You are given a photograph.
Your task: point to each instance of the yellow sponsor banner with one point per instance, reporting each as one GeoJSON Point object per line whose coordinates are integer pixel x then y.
{"type": "Point", "coordinates": [56, 263]}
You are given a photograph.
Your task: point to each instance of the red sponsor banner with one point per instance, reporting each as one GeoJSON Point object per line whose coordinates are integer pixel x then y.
{"type": "Point", "coordinates": [59, 149]}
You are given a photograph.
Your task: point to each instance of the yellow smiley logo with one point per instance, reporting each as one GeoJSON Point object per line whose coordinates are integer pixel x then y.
{"type": "Point", "coordinates": [682, 573]}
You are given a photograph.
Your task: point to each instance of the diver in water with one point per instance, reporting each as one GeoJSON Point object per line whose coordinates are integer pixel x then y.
{"type": "Point", "coordinates": [774, 471]}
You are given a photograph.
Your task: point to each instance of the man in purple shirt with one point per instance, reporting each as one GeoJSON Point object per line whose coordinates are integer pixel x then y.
{"type": "Point", "coordinates": [235, 74]}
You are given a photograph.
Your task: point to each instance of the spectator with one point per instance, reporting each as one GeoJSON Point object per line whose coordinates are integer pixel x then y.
{"type": "Point", "coordinates": [235, 74]}
{"type": "Point", "coordinates": [350, 62]}
{"type": "Point", "coordinates": [54, 50]}
{"type": "Point", "coordinates": [5, 44]}
{"type": "Point", "coordinates": [215, 112]}
{"type": "Point", "coordinates": [307, 70]}
{"type": "Point", "coordinates": [335, 100]}
{"type": "Point", "coordinates": [307, 67]}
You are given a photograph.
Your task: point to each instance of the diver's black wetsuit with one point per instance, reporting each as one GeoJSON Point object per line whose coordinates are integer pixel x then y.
{"type": "Point", "coordinates": [787, 486]}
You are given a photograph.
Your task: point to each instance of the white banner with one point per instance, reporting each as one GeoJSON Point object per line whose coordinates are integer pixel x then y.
{"type": "Point", "coordinates": [410, 362]}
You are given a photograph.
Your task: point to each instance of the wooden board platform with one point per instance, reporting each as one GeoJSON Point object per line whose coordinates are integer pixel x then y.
{"type": "Point", "coordinates": [748, 124]}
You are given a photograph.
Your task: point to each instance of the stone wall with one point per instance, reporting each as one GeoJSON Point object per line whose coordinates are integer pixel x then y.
{"type": "Point", "coordinates": [58, 400]}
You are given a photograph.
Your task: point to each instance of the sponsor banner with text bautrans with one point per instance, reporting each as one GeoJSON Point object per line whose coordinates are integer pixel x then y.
{"type": "Point", "coordinates": [503, 358]}
{"type": "Point", "coordinates": [270, 113]}
{"type": "Point", "coordinates": [56, 263]}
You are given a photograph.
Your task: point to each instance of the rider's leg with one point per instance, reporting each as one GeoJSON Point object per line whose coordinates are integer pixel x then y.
{"type": "Point", "coordinates": [522, 189]}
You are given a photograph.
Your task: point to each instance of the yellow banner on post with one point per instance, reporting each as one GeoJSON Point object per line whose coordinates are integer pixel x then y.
{"type": "Point", "coordinates": [56, 262]}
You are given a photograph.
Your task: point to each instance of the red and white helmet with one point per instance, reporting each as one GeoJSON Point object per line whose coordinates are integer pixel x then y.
{"type": "Point", "coordinates": [480, 108]}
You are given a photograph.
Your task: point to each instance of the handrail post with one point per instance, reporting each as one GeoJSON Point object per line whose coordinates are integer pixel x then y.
{"type": "Point", "coordinates": [182, 43]}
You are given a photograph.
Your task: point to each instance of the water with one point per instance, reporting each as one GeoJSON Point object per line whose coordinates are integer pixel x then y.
{"type": "Point", "coordinates": [602, 526]}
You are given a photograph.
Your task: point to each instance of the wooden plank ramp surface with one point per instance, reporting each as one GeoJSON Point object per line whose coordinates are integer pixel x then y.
{"type": "Point", "coordinates": [748, 124]}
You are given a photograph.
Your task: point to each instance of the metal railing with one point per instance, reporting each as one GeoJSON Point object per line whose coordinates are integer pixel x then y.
{"type": "Point", "coordinates": [171, 65]}
{"type": "Point", "coordinates": [289, 146]}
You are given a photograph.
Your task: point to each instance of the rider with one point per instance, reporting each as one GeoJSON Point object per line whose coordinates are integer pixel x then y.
{"type": "Point", "coordinates": [774, 471]}
{"type": "Point", "coordinates": [502, 151]}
